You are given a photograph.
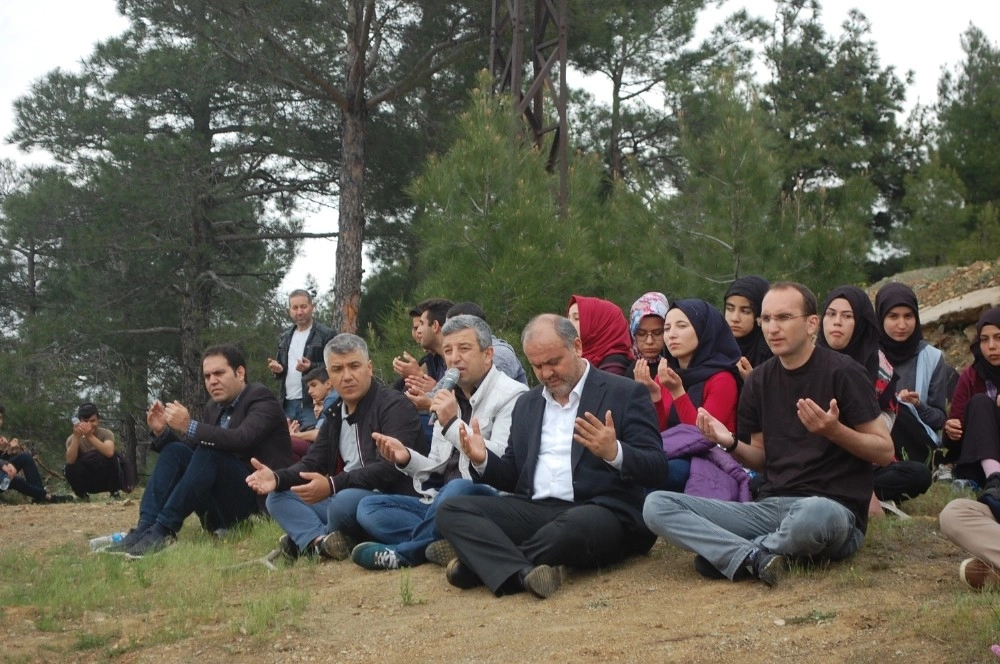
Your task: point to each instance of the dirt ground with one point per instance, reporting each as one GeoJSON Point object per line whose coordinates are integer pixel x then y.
{"type": "Point", "coordinates": [878, 607]}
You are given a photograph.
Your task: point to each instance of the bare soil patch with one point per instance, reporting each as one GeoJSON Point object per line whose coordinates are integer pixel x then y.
{"type": "Point", "coordinates": [893, 602]}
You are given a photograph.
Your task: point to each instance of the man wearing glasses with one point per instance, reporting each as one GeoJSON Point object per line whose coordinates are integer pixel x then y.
{"type": "Point", "coordinates": [810, 420]}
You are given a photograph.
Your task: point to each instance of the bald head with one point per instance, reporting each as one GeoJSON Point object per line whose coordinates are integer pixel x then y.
{"type": "Point", "coordinates": [562, 326]}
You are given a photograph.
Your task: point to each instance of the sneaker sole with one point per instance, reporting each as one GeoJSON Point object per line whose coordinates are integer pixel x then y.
{"type": "Point", "coordinates": [775, 570]}
{"type": "Point", "coordinates": [336, 546]}
{"type": "Point", "coordinates": [440, 552]}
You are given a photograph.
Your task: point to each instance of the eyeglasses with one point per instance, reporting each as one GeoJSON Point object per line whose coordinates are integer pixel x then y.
{"type": "Point", "coordinates": [648, 334]}
{"type": "Point", "coordinates": [780, 319]}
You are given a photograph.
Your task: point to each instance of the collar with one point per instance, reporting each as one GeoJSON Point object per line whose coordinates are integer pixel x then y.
{"type": "Point", "coordinates": [577, 389]}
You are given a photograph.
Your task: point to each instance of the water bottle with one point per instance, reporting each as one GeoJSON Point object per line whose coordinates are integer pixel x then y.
{"type": "Point", "coordinates": [4, 481]}
{"type": "Point", "coordinates": [964, 485]}
{"type": "Point", "coordinates": [101, 543]}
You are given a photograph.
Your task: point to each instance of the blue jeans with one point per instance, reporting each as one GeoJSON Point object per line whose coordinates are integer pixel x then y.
{"type": "Point", "coordinates": [296, 409]}
{"type": "Point", "coordinates": [304, 522]}
{"type": "Point", "coordinates": [725, 532]}
{"type": "Point", "coordinates": [406, 523]}
{"type": "Point", "coordinates": [202, 480]}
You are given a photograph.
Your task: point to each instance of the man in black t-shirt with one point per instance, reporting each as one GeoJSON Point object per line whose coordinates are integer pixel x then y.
{"type": "Point", "coordinates": [814, 427]}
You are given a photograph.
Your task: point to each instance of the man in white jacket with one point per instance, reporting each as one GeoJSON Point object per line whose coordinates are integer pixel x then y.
{"type": "Point", "coordinates": [404, 526]}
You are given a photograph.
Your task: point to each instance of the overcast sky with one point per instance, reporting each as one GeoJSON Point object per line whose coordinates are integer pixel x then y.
{"type": "Point", "coordinates": [37, 36]}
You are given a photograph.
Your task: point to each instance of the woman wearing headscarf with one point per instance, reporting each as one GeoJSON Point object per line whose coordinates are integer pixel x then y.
{"type": "Point", "coordinates": [743, 301]}
{"type": "Point", "coordinates": [974, 420]}
{"type": "Point", "coordinates": [604, 334]}
{"type": "Point", "coordinates": [700, 369]}
{"type": "Point", "coordinates": [921, 371]}
{"type": "Point", "coordinates": [850, 327]}
{"type": "Point", "coordinates": [645, 324]}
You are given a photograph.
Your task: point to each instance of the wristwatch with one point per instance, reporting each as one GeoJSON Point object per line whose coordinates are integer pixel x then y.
{"type": "Point", "coordinates": [731, 448]}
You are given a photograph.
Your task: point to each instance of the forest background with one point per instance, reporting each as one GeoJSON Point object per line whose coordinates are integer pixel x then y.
{"type": "Point", "coordinates": [188, 149]}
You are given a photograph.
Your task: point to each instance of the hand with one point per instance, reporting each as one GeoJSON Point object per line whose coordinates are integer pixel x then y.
{"type": "Point", "coordinates": [316, 488]}
{"type": "Point", "coordinates": [419, 399]}
{"type": "Point", "coordinates": [908, 396]}
{"type": "Point", "coordinates": [262, 480]}
{"type": "Point", "coordinates": [294, 427]}
{"type": "Point", "coordinates": [81, 429]}
{"type": "Point", "coordinates": [13, 444]}
{"type": "Point", "coordinates": [274, 367]}
{"type": "Point", "coordinates": [670, 380]}
{"type": "Point", "coordinates": [744, 367]}
{"type": "Point", "coordinates": [817, 420]}
{"type": "Point", "coordinates": [391, 449]}
{"type": "Point", "coordinates": [178, 417]}
{"type": "Point", "coordinates": [473, 444]}
{"type": "Point", "coordinates": [642, 375]}
{"type": "Point", "coordinates": [10, 470]}
{"type": "Point", "coordinates": [303, 364]}
{"type": "Point", "coordinates": [598, 437]}
{"type": "Point", "coordinates": [156, 418]}
{"type": "Point", "coordinates": [445, 405]}
{"type": "Point", "coordinates": [405, 365]}
{"type": "Point", "coordinates": [420, 382]}
{"type": "Point", "coordinates": [953, 429]}
{"type": "Point", "coordinates": [712, 429]}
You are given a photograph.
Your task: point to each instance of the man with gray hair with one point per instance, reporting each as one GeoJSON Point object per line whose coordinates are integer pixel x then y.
{"type": "Point", "coordinates": [404, 527]}
{"type": "Point", "coordinates": [315, 500]}
{"type": "Point", "coordinates": [300, 349]}
{"type": "Point", "coordinates": [582, 447]}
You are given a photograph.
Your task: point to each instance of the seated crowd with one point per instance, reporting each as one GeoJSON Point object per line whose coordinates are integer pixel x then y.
{"type": "Point", "coordinates": [763, 433]}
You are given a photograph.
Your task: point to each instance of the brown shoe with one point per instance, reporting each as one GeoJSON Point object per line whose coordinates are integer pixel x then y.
{"type": "Point", "coordinates": [440, 552]}
{"type": "Point", "coordinates": [978, 575]}
{"type": "Point", "coordinates": [461, 576]}
{"type": "Point", "coordinates": [336, 546]}
{"type": "Point", "coordinates": [542, 581]}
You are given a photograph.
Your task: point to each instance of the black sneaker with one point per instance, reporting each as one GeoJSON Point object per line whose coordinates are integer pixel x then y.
{"type": "Point", "coordinates": [153, 540]}
{"type": "Point", "coordinates": [991, 487]}
{"type": "Point", "coordinates": [336, 546]}
{"type": "Point", "coordinates": [289, 549]}
{"type": "Point", "coordinates": [766, 566]}
{"type": "Point", "coordinates": [707, 569]}
{"type": "Point", "coordinates": [133, 536]}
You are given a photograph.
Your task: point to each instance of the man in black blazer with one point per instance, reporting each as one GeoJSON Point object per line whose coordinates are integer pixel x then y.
{"type": "Point", "coordinates": [582, 446]}
{"type": "Point", "coordinates": [203, 464]}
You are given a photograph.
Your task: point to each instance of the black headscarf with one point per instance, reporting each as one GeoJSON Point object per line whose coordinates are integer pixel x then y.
{"type": "Point", "coordinates": [895, 294]}
{"type": "Point", "coordinates": [982, 366]}
{"type": "Point", "coordinates": [753, 346]}
{"type": "Point", "coordinates": [717, 350]}
{"type": "Point", "coordinates": [863, 345]}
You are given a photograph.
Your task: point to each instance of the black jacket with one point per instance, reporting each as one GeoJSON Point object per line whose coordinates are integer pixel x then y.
{"type": "Point", "coordinates": [257, 428]}
{"type": "Point", "coordinates": [382, 410]}
{"type": "Point", "coordinates": [319, 335]}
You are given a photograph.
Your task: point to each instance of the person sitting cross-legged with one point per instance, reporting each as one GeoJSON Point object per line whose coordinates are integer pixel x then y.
{"type": "Point", "coordinates": [315, 500]}
{"type": "Point", "coordinates": [582, 449]}
{"type": "Point", "coordinates": [404, 527]}
{"type": "Point", "coordinates": [815, 428]}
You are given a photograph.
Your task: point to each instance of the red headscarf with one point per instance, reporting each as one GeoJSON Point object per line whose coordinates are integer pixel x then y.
{"type": "Point", "coordinates": [603, 329]}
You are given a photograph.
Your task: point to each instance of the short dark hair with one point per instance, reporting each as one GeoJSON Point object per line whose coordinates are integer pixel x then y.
{"type": "Point", "coordinates": [414, 312]}
{"type": "Point", "coordinates": [467, 309]}
{"type": "Point", "coordinates": [87, 410]}
{"type": "Point", "coordinates": [809, 305]}
{"type": "Point", "coordinates": [232, 354]}
{"type": "Point", "coordinates": [301, 292]}
{"type": "Point", "coordinates": [436, 308]}
{"type": "Point", "coordinates": [319, 373]}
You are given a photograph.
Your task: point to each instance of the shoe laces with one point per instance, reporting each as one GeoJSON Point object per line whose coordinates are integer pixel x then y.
{"type": "Point", "coordinates": [386, 560]}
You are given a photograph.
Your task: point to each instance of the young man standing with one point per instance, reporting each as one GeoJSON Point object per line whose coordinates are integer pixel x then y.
{"type": "Point", "coordinates": [300, 349]}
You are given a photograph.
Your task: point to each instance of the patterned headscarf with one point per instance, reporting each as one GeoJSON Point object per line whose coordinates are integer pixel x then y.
{"type": "Point", "coordinates": [650, 304]}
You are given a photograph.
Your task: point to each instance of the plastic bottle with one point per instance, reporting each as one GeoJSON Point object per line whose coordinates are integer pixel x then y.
{"type": "Point", "coordinates": [101, 543]}
{"type": "Point", "coordinates": [4, 481]}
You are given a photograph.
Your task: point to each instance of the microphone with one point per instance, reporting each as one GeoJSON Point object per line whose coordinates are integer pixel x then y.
{"type": "Point", "coordinates": [448, 382]}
